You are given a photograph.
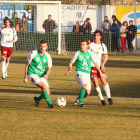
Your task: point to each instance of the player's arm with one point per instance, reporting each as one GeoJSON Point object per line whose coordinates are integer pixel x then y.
{"type": "Point", "coordinates": [49, 65]}
{"type": "Point", "coordinates": [71, 62]}
{"type": "Point", "coordinates": [105, 53]}
{"type": "Point", "coordinates": [69, 69]}
{"type": "Point", "coordinates": [98, 68]}
{"type": "Point", "coordinates": [26, 76]}
{"type": "Point", "coordinates": [15, 38]}
{"type": "Point", "coordinates": [104, 62]}
{"type": "Point", "coordinates": [47, 74]}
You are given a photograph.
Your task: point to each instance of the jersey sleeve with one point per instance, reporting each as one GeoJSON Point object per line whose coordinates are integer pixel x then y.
{"type": "Point", "coordinates": [15, 35]}
{"type": "Point", "coordinates": [105, 52]}
{"type": "Point", "coordinates": [31, 56]}
{"type": "Point", "coordinates": [74, 57]}
{"type": "Point", "coordinates": [49, 63]}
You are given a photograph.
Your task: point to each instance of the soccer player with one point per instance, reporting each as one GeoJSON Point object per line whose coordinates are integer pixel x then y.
{"type": "Point", "coordinates": [37, 69]}
{"type": "Point", "coordinates": [83, 59]}
{"type": "Point", "coordinates": [99, 48]}
{"type": "Point", "coordinates": [8, 37]}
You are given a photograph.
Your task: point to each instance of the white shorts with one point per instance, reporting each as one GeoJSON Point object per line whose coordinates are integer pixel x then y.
{"type": "Point", "coordinates": [35, 79]}
{"type": "Point", "coordinates": [83, 78]}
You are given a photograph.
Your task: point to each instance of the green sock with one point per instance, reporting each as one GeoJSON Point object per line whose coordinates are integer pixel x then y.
{"type": "Point", "coordinates": [47, 98]}
{"type": "Point", "coordinates": [85, 95]}
{"type": "Point", "coordinates": [82, 94]}
{"type": "Point", "coordinates": [40, 97]}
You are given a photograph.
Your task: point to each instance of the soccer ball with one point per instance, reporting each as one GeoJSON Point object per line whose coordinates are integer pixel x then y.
{"type": "Point", "coordinates": [61, 102]}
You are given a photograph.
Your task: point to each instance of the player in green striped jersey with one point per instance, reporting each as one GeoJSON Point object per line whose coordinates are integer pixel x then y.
{"type": "Point", "coordinates": [37, 69]}
{"type": "Point", "coordinates": [83, 59]}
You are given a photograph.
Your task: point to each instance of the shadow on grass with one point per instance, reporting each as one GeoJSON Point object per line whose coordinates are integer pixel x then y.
{"type": "Point", "coordinates": [65, 62]}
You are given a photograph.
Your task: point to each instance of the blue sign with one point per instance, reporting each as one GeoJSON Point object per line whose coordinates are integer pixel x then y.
{"type": "Point", "coordinates": [20, 10]}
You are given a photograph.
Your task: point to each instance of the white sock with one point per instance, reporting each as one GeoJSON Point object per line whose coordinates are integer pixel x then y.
{"type": "Point", "coordinates": [107, 90]}
{"type": "Point", "coordinates": [7, 65]}
{"type": "Point", "coordinates": [3, 67]}
{"type": "Point", "coordinates": [99, 93]}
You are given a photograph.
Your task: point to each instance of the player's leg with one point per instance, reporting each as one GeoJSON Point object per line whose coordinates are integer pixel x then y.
{"type": "Point", "coordinates": [106, 89]}
{"type": "Point", "coordinates": [98, 90]}
{"type": "Point", "coordinates": [42, 83]}
{"type": "Point", "coordinates": [9, 53]}
{"type": "Point", "coordinates": [94, 78]}
{"type": "Point", "coordinates": [3, 63]}
{"type": "Point", "coordinates": [84, 80]}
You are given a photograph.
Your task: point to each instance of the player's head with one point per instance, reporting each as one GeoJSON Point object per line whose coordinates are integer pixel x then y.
{"type": "Point", "coordinates": [84, 45]}
{"type": "Point", "coordinates": [85, 22]}
{"type": "Point", "coordinates": [125, 23]}
{"type": "Point", "coordinates": [43, 46]}
{"type": "Point", "coordinates": [14, 15]}
{"type": "Point", "coordinates": [115, 21]}
{"type": "Point", "coordinates": [49, 17]}
{"type": "Point", "coordinates": [98, 35]}
{"type": "Point", "coordinates": [131, 22]}
{"type": "Point", "coordinates": [6, 22]}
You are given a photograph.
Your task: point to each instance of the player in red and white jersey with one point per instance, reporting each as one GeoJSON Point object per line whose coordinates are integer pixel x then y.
{"type": "Point", "coordinates": [99, 48]}
{"type": "Point", "coordinates": [8, 37]}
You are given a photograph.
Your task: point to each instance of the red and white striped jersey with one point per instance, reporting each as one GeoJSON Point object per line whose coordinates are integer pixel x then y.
{"type": "Point", "coordinates": [98, 49]}
{"type": "Point", "coordinates": [7, 36]}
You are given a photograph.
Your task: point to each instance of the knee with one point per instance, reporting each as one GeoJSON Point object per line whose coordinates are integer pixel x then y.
{"type": "Point", "coordinates": [44, 88]}
{"type": "Point", "coordinates": [85, 86]}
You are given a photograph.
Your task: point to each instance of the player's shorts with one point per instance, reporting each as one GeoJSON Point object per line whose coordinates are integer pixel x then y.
{"type": "Point", "coordinates": [6, 51]}
{"type": "Point", "coordinates": [35, 79]}
{"type": "Point", "coordinates": [83, 78]}
{"type": "Point", "coordinates": [94, 72]}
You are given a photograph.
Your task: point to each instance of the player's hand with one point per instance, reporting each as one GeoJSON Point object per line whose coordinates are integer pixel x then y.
{"type": "Point", "coordinates": [103, 75]}
{"type": "Point", "coordinates": [25, 80]}
{"type": "Point", "coordinates": [45, 76]}
{"type": "Point", "coordinates": [103, 68]}
{"type": "Point", "coordinates": [126, 30]}
{"type": "Point", "coordinates": [67, 73]}
{"type": "Point", "coordinates": [13, 41]}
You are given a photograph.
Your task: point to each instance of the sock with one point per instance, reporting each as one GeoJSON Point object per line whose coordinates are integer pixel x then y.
{"type": "Point", "coordinates": [107, 90]}
{"type": "Point", "coordinates": [40, 97]}
{"type": "Point", "coordinates": [6, 64]}
{"type": "Point", "coordinates": [99, 93]}
{"type": "Point", "coordinates": [3, 68]}
{"type": "Point", "coordinates": [47, 97]}
{"type": "Point", "coordinates": [82, 94]}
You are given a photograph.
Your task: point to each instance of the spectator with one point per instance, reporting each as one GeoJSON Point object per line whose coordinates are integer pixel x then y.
{"type": "Point", "coordinates": [115, 30]}
{"type": "Point", "coordinates": [24, 25]}
{"type": "Point", "coordinates": [105, 24]}
{"type": "Point", "coordinates": [84, 27]}
{"type": "Point", "coordinates": [114, 18]}
{"type": "Point", "coordinates": [123, 35]}
{"type": "Point", "coordinates": [89, 28]}
{"type": "Point", "coordinates": [77, 27]}
{"type": "Point", "coordinates": [3, 21]}
{"type": "Point", "coordinates": [17, 24]}
{"type": "Point", "coordinates": [14, 19]}
{"type": "Point", "coordinates": [131, 31]}
{"type": "Point", "coordinates": [49, 24]}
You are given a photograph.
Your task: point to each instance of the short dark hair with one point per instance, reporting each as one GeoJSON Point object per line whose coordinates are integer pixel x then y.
{"type": "Point", "coordinates": [125, 22]}
{"type": "Point", "coordinates": [49, 15]}
{"type": "Point", "coordinates": [43, 42]}
{"type": "Point", "coordinates": [87, 19]}
{"type": "Point", "coordinates": [130, 20]}
{"type": "Point", "coordinates": [113, 16]}
{"type": "Point", "coordinates": [100, 32]}
{"type": "Point", "coordinates": [85, 40]}
{"type": "Point", "coordinates": [5, 19]}
{"type": "Point", "coordinates": [23, 16]}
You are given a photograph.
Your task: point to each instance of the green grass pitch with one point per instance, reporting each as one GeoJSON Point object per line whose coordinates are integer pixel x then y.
{"type": "Point", "coordinates": [21, 120]}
